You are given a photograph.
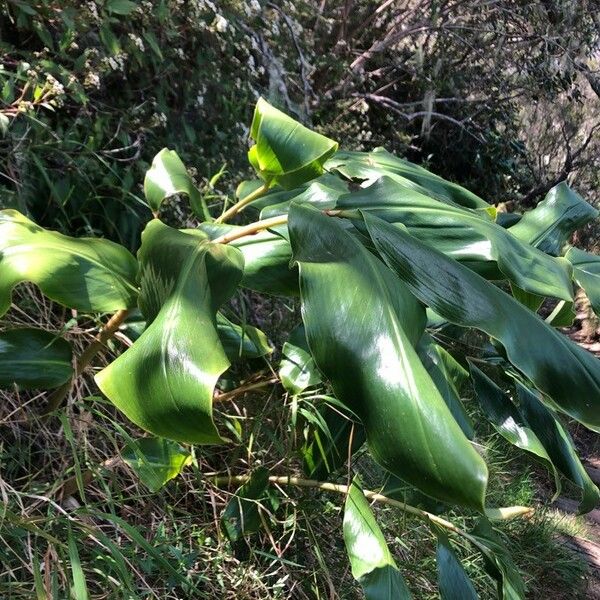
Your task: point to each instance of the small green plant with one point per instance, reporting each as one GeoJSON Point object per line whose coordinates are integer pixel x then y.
{"type": "Point", "coordinates": [396, 273]}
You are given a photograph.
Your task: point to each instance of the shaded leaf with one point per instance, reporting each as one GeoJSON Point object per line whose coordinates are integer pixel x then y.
{"type": "Point", "coordinates": [586, 273]}
{"type": "Point", "coordinates": [241, 341]}
{"type": "Point", "coordinates": [120, 7]}
{"type": "Point", "coordinates": [550, 224]}
{"type": "Point", "coordinates": [241, 516]}
{"type": "Point", "coordinates": [557, 366]}
{"type": "Point", "coordinates": [156, 460]}
{"type": "Point", "coordinates": [286, 152]}
{"type": "Point", "coordinates": [370, 166]}
{"type": "Point", "coordinates": [453, 582]}
{"type": "Point", "coordinates": [267, 257]}
{"type": "Point", "coordinates": [361, 325]}
{"type": "Point", "coordinates": [559, 445]}
{"type": "Point", "coordinates": [34, 359]}
{"type": "Point", "coordinates": [508, 420]}
{"type": "Point", "coordinates": [498, 563]}
{"type": "Point", "coordinates": [87, 274]}
{"type": "Point", "coordinates": [447, 375]}
{"type": "Point", "coordinates": [468, 236]}
{"type": "Point", "coordinates": [297, 369]}
{"type": "Point", "coordinates": [330, 444]}
{"type": "Point", "coordinates": [370, 559]}
{"type": "Point", "coordinates": [168, 176]}
{"type": "Point", "coordinates": [164, 383]}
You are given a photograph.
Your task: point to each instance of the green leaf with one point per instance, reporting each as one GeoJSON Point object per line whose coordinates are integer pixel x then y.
{"type": "Point", "coordinates": [267, 257]}
{"type": "Point", "coordinates": [286, 152]}
{"type": "Point", "coordinates": [79, 589]}
{"type": "Point", "coordinates": [156, 460]}
{"type": "Point", "coordinates": [361, 325]}
{"type": "Point", "coordinates": [331, 441]}
{"type": "Point", "coordinates": [241, 341]}
{"type": "Point", "coordinates": [468, 236]}
{"type": "Point", "coordinates": [453, 582]}
{"type": "Point", "coordinates": [297, 369]}
{"type": "Point", "coordinates": [168, 176]}
{"type": "Point", "coordinates": [563, 315]}
{"type": "Point", "coordinates": [164, 383]}
{"type": "Point", "coordinates": [241, 516]}
{"type": "Point", "coordinates": [87, 274]}
{"type": "Point", "coordinates": [559, 445]}
{"type": "Point", "coordinates": [34, 359]}
{"type": "Point", "coordinates": [586, 273]}
{"type": "Point", "coordinates": [498, 562]}
{"type": "Point", "coordinates": [121, 7]}
{"type": "Point", "coordinates": [370, 166]}
{"type": "Point", "coordinates": [558, 367]}
{"type": "Point", "coordinates": [447, 375]}
{"type": "Point", "coordinates": [550, 224]}
{"type": "Point", "coordinates": [372, 564]}
{"type": "Point", "coordinates": [508, 420]}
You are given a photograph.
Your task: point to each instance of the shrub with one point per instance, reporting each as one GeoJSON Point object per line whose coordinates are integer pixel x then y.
{"type": "Point", "coordinates": [394, 268]}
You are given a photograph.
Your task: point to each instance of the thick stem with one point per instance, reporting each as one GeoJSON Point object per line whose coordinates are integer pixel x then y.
{"type": "Point", "coordinates": [326, 486]}
{"type": "Point", "coordinates": [235, 209]}
{"type": "Point", "coordinates": [56, 398]}
{"type": "Point", "coordinates": [251, 229]}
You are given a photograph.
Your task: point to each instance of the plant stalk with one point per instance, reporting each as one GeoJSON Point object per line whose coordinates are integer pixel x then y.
{"type": "Point", "coordinates": [326, 486]}
{"type": "Point", "coordinates": [56, 398]}
{"type": "Point", "coordinates": [236, 208]}
{"type": "Point", "coordinates": [251, 229]}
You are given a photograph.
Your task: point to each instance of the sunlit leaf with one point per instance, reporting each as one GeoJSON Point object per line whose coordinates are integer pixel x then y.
{"type": "Point", "coordinates": [560, 368]}
{"type": "Point", "coordinates": [87, 274]}
{"type": "Point", "coordinates": [550, 224]}
{"type": "Point", "coordinates": [241, 341]}
{"type": "Point", "coordinates": [34, 359]}
{"type": "Point", "coordinates": [586, 272]}
{"type": "Point", "coordinates": [371, 561]}
{"type": "Point", "coordinates": [168, 176]}
{"type": "Point", "coordinates": [156, 460]}
{"type": "Point", "coordinates": [286, 152]}
{"type": "Point", "coordinates": [468, 236]}
{"type": "Point", "coordinates": [164, 383]}
{"type": "Point", "coordinates": [361, 325]}
{"type": "Point", "coordinates": [297, 369]}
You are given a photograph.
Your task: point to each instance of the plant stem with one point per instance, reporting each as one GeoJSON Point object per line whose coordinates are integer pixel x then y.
{"type": "Point", "coordinates": [242, 389]}
{"type": "Point", "coordinates": [251, 229]}
{"type": "Point", "coordinates": [235, 209]}
{"type": "Point", "coordinates": [326, 486]}
{"type": "Point", "coordinates": [56, 398]}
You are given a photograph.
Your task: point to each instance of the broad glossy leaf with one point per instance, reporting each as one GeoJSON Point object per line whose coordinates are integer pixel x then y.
{"type": "Point", "coordinates": [447, 375]}
{"type": "Point", "coordinates": [370, 166]}
{"type": "Point", "coordinates": [267, 257]}
{"type": "Point", "coordinates": [286, 152]}
{"type": "Point", "coordinates": [34, 359]}
{"type": "Point", "coordinates": [453, 582]}
{"type": "Point", "coordinates": [241, 341]}
{"type": "Point", "coordinates": [87, 274]}
{"type": "Point", "coordinates": [559, 445]}
{"type": "Point", "coordinates": [370, 558]}
{"type": "Point", "coordinates": [331, 443]}
{"type": "Point", "coordinates": [562, 315]}
{"type": "Point", "coordinates": [466, 235]}
{"type": "Point", "coordinates": [558, 367]}
{"type": "Point", "coordinates": [586, 272]}
{"type": "Point", "coordinates": [156, 460]}
{"type": "Point", "coordinates": [168, 176]}
{"type": "Point", "coordinates": [550, 224]}
{"type": "Point", "coordinates": [361, 325]}
{"type": "Point", "coordinates": [164, 383]}
{"type": "Point", "coordinates": [508, 420]}
{"type": "Point", "coordinates": [498, 562]}
{"type": "Point", "coordinates": [297, 369]}
{"type": "Point", "coordinates": [241, 516]}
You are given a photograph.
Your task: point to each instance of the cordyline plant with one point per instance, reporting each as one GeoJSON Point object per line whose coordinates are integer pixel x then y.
{"type": "Point", "coordinates": [391, 264]}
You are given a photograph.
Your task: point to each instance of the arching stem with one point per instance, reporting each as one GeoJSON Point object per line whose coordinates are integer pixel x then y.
{"type": "Point", "coordinates": [236, 208]}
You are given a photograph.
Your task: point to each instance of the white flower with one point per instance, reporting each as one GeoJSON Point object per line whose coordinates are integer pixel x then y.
{"type": "Point", "coordinates": [220, 24]}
